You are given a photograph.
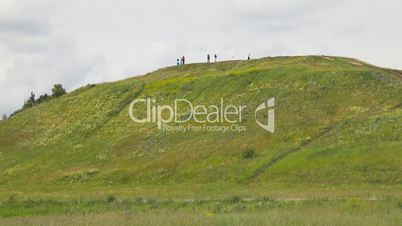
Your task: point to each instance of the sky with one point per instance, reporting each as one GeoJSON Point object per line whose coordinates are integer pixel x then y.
{"type": "Point", "coordinates": [77, 42]}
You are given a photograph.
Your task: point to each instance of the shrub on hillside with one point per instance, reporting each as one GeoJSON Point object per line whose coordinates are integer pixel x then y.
{"type": "Point", "coordinates": [58, 90]}
{"type": "Point", "coordinates": [111, 199]}
{"type": "Point", "coordinates": [235, 199]}
{"type": "Point", "coordinates": [43, 98]}
{"type": "Point", "coordinates": [249, 153]}
{"type": "Point", "coordinates": [31, 101]}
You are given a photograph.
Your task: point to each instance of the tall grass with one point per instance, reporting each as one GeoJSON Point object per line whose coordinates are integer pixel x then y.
{"type": "Point", "coordinates": [261, 212]}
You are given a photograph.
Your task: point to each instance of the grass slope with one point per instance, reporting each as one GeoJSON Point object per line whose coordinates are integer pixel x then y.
{"type": "Point", "coordinates": [338, 131]}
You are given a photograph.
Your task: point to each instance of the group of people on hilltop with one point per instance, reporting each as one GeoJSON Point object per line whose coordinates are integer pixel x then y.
{"type": "Point", "coordinates": [182, 60]}
{"type": "Point", "coordinates": [209, 58]}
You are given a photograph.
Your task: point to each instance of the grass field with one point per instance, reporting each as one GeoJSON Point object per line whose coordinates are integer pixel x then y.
{"type": "Point", "coordinates": [335, 155]}
{"type": "Point", "coordinates": [233, 211]}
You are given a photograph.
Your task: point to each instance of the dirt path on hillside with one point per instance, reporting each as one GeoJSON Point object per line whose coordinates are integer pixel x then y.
{"type": "Point", "coordinates": [252, 179]}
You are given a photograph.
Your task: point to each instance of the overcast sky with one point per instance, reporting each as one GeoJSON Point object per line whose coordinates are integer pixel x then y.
{"type": "Point", "coordinates": [76, 42]}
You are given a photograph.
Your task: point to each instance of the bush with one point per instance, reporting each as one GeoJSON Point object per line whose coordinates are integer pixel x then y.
{"type": "Point", "coordinates": [235, 199]}
{"type": "Point", "coordinates": [58, 90]}
{"type": "Point", "coordinates": [43, 98]}
{"type": "Point", "coordinates": [31, 101]}
{"type": "Point", "coordinates": [249, 153]}
{"type": "Point", "coordinates": [111, 199]}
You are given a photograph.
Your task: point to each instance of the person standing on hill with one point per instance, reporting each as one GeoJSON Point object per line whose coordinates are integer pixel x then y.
{"type": "Point", "coordinates": [183, 60]}
{"type": "Point", "coordinates": [178, 61]}
{"type": "Point", "coordinates": [216, 57]}
{"type": "Point", "coordinates": [208, 58]}
{"type": "Point", "coordinates": [249, 57]}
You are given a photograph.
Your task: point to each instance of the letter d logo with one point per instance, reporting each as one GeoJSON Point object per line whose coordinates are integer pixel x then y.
{"type": "Point", "coordinates": [270, 125]}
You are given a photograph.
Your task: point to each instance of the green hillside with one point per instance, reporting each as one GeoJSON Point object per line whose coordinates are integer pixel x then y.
{"type": "Point", "coordinates": [338, 132]}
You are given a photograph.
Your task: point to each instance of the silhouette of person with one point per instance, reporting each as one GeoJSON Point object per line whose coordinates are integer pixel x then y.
{"type": "Point", "coordinates": [208, 58]}
{"type": "Point", "coordinates": [178, 61]}
{"type": "Point", "coordinates": [216, 57]}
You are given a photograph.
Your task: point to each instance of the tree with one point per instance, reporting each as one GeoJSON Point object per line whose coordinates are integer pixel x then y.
{"type": "Point", "coordinates": [4, 117]}
{"type": "Point", "coordinates": [30, 102]}
{"type": "Point", "coordinates": [43, 98]}
{"type": "Point", "coordinates": [58, 91]}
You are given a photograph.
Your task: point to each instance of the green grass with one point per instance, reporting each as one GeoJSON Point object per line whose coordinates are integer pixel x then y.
{"type": "Point", "coordinates": [234, 211]}
{"type": "Point", "coordinates": [338, 135]}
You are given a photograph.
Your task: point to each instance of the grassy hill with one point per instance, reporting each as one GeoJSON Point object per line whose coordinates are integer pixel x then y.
{"type": "Point", "coordinates": [338, 132]}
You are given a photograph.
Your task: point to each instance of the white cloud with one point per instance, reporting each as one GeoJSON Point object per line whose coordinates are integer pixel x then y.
{"type": "Point", "coordinates": [33, 55]}
{"type": "Point", "coordinates": [43, 42]}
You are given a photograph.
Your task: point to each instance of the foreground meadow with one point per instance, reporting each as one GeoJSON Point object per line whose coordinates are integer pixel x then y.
{"type": "Point", "coordinates": [232, 211]}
